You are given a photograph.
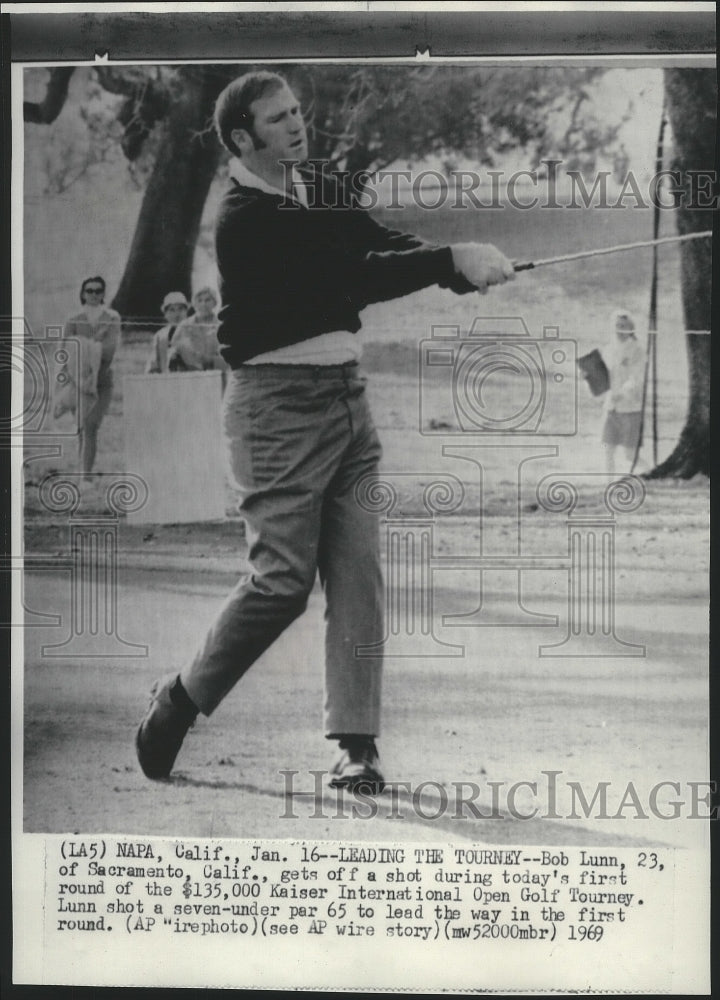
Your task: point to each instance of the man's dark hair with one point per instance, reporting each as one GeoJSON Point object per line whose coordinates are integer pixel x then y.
{"type": "Point", "coordinates": [232, 108]}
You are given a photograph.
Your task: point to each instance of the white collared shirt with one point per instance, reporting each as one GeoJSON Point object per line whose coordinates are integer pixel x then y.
{"type": "Point", "coordinates": [335, 348]}
{"type": "Point", "coordinates": [243, 175]}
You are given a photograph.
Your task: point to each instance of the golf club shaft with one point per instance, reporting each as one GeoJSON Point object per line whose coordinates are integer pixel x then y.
{"type": "Point", "coordinates": [528, 265]}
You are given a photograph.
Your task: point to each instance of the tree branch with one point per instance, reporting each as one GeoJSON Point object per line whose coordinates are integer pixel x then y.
{"type": "Point", "coordinates": [114, 82]}
{"type": "Point", "coordinates": [147, 100]}
{"type": "Point", "coordinates": [46, 111]}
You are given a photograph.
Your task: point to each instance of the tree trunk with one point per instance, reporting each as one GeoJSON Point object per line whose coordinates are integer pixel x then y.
{"type": "Point", "coordinates": [46, 111]}
{"type": "Point", "coordinates": [691, 101]}
{"type": "Point", "coordinates": [163, 246]}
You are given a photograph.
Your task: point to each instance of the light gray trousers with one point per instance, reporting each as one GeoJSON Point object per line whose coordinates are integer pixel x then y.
{"type": "Point", "coordinates": [300, 438]}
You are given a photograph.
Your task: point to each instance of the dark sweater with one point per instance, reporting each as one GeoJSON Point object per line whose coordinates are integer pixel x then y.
{"type": "Point", "coordinates": [289, 273]}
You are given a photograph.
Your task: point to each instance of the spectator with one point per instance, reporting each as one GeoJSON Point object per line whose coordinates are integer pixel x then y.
{"type": "Point", "coordinates": [95, 322]}
{"type": "Point", "coordinates": [175, 310]}
{"type": "Point", "coordinates": [625, 361]}
{"type": "Point", "coordinates": [195, 346]}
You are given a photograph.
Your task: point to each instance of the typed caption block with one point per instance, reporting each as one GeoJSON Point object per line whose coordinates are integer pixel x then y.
{"type": "Point", "coordinates": [250, 913]}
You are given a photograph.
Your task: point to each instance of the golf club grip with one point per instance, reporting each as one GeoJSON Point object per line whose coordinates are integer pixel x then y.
{"type": "Point", "coordinates": [522, 265]}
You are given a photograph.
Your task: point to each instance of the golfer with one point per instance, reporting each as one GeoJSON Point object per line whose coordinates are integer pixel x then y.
{"type": "Point", "coordinates": [297, 266]}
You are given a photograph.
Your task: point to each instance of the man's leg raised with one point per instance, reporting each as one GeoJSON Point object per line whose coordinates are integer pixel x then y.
{"type": "Point", "coordinates": [282, 469]}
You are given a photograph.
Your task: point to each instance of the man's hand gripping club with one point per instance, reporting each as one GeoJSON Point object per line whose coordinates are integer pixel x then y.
{"type": "Point", "coordinates": [482, 265]}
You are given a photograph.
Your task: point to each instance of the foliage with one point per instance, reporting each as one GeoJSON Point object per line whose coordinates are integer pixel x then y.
{"type": "Point", "coordinates": [87, 135]}
{"type": "Point", "coordinates": [359, 117]}
{"type": "Point", "coordinates": [363, 118]}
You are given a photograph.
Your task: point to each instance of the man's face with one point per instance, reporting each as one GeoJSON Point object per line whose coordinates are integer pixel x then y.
{"type": "Point", "coordinates": [175, 312]}
{"type": "Point", "coordinates": [278, 128]}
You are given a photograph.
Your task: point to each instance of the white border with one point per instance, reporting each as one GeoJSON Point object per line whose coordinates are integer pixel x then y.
{"type": "Point", "coordinates": [27, 849]}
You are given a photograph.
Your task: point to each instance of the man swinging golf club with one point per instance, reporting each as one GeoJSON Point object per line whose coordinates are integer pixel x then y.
{"type": "Point", "coordinates": [295, 272]}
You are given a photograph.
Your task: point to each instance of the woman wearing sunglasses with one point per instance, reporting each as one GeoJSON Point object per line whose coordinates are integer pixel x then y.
{"type": "Point", "coordinates": [99, 324]}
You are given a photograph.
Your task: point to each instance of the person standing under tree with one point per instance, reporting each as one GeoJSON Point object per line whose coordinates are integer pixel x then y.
{"type": "Point", "coordinates": [98, 323]}
{"type": "Point", "coordinates": [297, 266]}
{"type": "Point", "coordinates": [174, 309]}
{"type": "Point", "coordinates": [195, 346]}
{"type": "Point", "coordinates": [625, 362]}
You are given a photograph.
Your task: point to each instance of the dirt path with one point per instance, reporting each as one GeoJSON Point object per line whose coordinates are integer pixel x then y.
{"type": "Point", "coordinates": [496, 713]}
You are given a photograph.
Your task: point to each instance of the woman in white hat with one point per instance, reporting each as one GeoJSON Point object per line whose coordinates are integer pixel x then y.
{"type": "Point", "coordinates": [175, 310]}
{"type": "Point", "coordinates": [625, 361]}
